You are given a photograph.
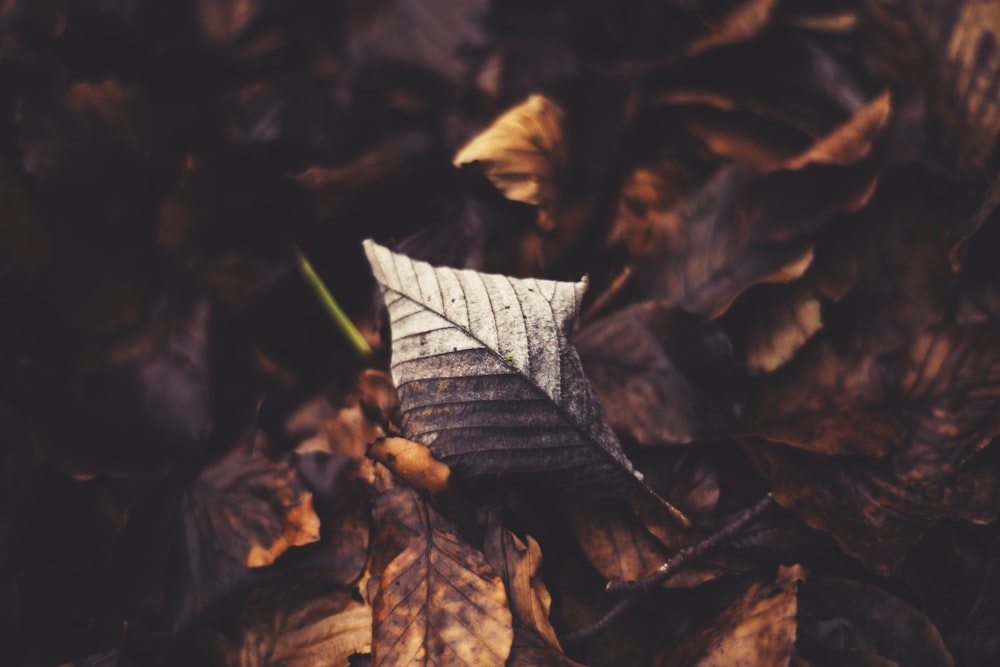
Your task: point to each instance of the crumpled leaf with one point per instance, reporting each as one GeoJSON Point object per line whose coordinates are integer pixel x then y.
{"type": "Point", "coordinates": [519, 566]}
{"type": "Point", "coordinates": [662, 375]}
{"type": "Point", "coordinates": [955, 44]}
{"type": "Point", "coordinates": [437, 601]}
{"type": "Point", "coordinates": [187, 547]}
{"type": "Point", "coordinates": [804, 619]}
{"type": "Point", "coordinates": [412, 462]}
{"type": "Point", "coordinates": [757, 629]}
{"type": "Point", "coordinates": [701, 247]}
{"type": "Point", "coordinates": [487, 378]}
{"type": "Point", "coordinates": [523, 154]}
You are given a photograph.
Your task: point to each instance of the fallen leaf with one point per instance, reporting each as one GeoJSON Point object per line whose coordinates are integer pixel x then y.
{"type": "Point", "coordinates": [662, 375]}
{"type": "Point", "coordinates": [853, 620]}
{"type": "Point", "coordinates": [412, 462]}
{"type": "Point", "coordinates": [487, 378]}
{"type": "Point", "coordinates": [299, 620]}
{"type": "Point", "coordinates": [524, 155]}
{"type": "Point", "coordinates": [189, 545]}
{"type": "Point", "coordinates": [519, 566]}
{"type": "Point", "coordinates": [757, 629]}
{"type": "Point", "coordinates": [326, 630]}
{"type": "Point", "coordinates": [437, 601]}
{"type": "Point", "coordinates": [744, 22]}
{"type": "Point", "coordinates": [850, 142]}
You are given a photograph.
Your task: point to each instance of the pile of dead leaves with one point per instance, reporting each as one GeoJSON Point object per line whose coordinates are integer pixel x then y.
{"type": "Point", "coordinates": [788, 216]}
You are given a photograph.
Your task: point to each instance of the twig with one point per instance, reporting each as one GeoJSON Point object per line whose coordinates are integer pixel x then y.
{"type": "Point", "coordinates": [333, 309]}
{"type": "Point", "coordinates": [601, 303]}
{"type": "Point", "coordinates": [635, 589]}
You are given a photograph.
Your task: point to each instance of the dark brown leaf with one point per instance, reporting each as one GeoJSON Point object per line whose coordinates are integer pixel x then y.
{"type": "Point", "coordinates": [757, 629]}
{"type": "Point", "coordinates": [662, 376]}
{"type": "Point", "coordinates": [436, 602]}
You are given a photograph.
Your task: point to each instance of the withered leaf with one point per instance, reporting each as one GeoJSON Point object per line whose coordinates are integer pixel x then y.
{"type": "Point", "coordinates": [326, 629]}
{"type": "Point", "coordinates": [662, 375]}
{"type": "Point", "coordinates": [850, 620]}
{"type": "Point", "coordinates": [298, 619]}
{"type": "Point", "coordinates": [487, 377]}
{"type": "Point", "coordinates": [519, 565]}
{"type": "Point", "coordinates": [437, 602]}
{"type": "Point", "coordinates": [804, 619]}
{"type": "Point", "coordinates": [252, 508]}
{"type": "Point", "coordinates": [185, 548]}
{"type": "Point", "coordinates": [523, 154]}
{"type": "Point", "coordinates": [412, 462]}
{"type": "Point", "coordinates": [757, 629]}
{"type": "Point", "coordinates": [744, 22]}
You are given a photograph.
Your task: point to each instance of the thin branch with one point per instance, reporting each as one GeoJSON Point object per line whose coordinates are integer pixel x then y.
{"type": "Point", "coordinates": [633, 590]}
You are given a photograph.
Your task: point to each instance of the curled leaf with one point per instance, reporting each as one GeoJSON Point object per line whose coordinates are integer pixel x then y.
{"type": "Point", "coordinates": [411, 461]}
{"type": "Point", "coordinates": [523, 154]}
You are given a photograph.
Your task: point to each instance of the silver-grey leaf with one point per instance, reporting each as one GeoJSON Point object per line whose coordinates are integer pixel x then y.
{"type": "Point", "coordinates": [488, 379]}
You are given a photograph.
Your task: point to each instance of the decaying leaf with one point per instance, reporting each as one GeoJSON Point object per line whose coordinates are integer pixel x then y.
{"type": "Point", "coordinates": [523, 153]}
{"type": "Point", "coordinates": [412, 462]}
{"type": "Point", "coordinates": [758, 629]}
{"type": "Point", "coordinates": [801, 619]}
{"type": "Point", "coordinates": [519, 566]}
{"type": "Point", "coordinates": [299, 620]}
{"type": "Point", "coordinates": [246, 490]}
{"type": "Point", "coordinates": [487, 377]}
{"type": "Point", "coordinates": [437, 601]}
{"type": "Point", "coordinates": [662, 375]}
{"type": "Point", "coordinates": [192, 545]}
{"type": "Point", "coordinates": [742, 23]}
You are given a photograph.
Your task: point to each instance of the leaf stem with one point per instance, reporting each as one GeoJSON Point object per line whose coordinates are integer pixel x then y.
{"type": "Point", "coordinates": [633, 590]}
{"type": "Point", "coordinates": [333, 309]}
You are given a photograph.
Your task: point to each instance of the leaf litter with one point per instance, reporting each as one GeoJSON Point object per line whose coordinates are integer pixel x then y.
{"type": "Point", "coordinates": [787, 218]}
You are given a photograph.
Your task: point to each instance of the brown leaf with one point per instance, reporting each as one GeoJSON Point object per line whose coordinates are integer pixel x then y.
{"type": "Point", "coordinates": [523, 154]}
{"type": "Point", "coordinates": [436, 601]}
{"type": "Point", "coordinates": [744, 22]}
{"type": "Point", "coordinates": [519, 566]}
{"type": "Point", "coordinates": [662, 375]}
{"type": "Point", "coordinates": [850, 142]}
{"type": "Point", "coordinates": [870, 512]}
{"type": "Point", "coordinates": [299, 620]}
{"type": "Point", "coordinates": [412, 462]}
{"type": "Point", "coordinates": [781, 319]}
{"type": "Point", "coordinates": [758, 629]}
{"type": "Point", "coordinates": [850, 620]}
{"type": "Point", "coordinates": [252, 508]}
{"type": "Point", "coordinates": [622, 548]}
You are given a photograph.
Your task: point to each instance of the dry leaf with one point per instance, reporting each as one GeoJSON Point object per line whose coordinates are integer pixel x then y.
{"type": "Point", "coordinates": [413, 463]}
{"type": "Point", "coordinates": [742, 23]}
{"type": "Point", "coordinates": [254, 508]}
{"type": "Point", "coordinates": [523, 154]}
{"type": "Point", "coordinates": [662, 375]}
{"type": "Point", "coordinates": [519, 566]}
{"type": "Point", "coordinates": [437, 602]}
{"type": "Point", "coordinates": [487, 378]}
{"type": "Point", "coordinates": [757, 629]}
